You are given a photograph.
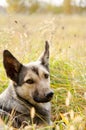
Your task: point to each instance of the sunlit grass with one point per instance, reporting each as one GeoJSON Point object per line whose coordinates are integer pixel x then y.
{"type": "Point", "coordinates": [24, 36]}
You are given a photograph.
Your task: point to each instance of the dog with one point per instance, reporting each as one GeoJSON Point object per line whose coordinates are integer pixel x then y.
{"type": "Point", "coordinates": [29, 87]}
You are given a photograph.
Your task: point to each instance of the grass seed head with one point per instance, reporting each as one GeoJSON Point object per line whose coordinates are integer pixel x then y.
{"type": "Point", "coordinates": [67, 102]}
{"type": "Point", "coordinates": [85, 95]}
{"type": "Point", "coordinates": [32, 112]}
{"type": "Point", "coordinates": [71, 114]}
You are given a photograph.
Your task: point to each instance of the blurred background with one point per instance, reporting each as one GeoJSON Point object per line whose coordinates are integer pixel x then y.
{"type": "Point", "coordinates": [43, 6]}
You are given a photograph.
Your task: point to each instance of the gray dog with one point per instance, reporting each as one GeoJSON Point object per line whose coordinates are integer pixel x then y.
{"type": "Point", "coordinates": [29, 87]}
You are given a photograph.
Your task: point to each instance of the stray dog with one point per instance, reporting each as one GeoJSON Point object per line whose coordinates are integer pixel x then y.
{"type": "Point", "coordinates": [29, 87]}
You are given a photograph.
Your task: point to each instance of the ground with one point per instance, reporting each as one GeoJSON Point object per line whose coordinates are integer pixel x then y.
{"type": "Point", "coordinates": [25, 35]}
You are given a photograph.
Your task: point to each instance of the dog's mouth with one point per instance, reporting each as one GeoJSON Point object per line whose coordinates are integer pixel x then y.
{"type": "Point", "coordinates": [45, 99]}
{"type": "Point", "coordinates": [41, 100]}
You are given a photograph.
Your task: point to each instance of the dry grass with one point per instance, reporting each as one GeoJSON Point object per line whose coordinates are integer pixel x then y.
{"type": "Point", "coordinates": [24, 36]}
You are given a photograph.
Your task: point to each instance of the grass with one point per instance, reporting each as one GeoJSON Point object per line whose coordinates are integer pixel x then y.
{"type": "Point", "coordinates": [24, 36]}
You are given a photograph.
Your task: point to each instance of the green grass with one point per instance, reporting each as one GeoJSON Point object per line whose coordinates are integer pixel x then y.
{"type": "Point", "coordinates": [67, 36]}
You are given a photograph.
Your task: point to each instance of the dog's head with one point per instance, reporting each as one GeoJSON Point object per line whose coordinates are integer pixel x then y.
{"type": "Point", "coordinates": [31, 81]}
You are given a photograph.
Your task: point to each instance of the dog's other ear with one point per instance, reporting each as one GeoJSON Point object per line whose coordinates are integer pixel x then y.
{"type": "Point", "coordinates": [44, 58]}
{"type": "Point", "coordinates": [11, 65]}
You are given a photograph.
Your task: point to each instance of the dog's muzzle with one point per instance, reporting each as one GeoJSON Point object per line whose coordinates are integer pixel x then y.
{"type": "Point", "coordinates": [46, 98]}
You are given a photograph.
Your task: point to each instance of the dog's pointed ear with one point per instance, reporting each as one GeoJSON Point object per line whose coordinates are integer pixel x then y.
{"type": "Point", "coordinates": [11, 65]}
{"type": "Point", "coordinates": [44, 58]}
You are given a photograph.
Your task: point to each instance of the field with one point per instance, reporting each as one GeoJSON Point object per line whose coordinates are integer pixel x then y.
{"type": "Point", "coordinates": [25, 35]}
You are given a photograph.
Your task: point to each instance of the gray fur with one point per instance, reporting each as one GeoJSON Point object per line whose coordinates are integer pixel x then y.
{"type": "Point", "coordinates": [29, 87]}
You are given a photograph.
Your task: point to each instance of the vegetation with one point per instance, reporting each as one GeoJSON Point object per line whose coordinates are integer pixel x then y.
{"type": "Point", "coordinates": [24, 36]}
{"type": "Point", "coordinates": [36, 6]}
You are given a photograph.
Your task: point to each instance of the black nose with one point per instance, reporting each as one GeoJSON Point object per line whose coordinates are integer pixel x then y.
{"type": "Point", "coordinates": [49, 95]}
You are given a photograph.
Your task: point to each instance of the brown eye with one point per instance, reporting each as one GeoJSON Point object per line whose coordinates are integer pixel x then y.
{"type": "Point", "coordinates": [30, 81]}
{"type": "Point", "coordinates": [46, 76]}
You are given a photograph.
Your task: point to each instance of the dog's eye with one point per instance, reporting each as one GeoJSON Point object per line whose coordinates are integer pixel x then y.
{"type": "Point", "coordinates": [46, 76]}
{"type": "Point", "coordinates": [30, 81]}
